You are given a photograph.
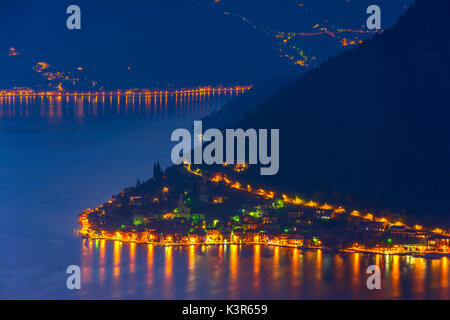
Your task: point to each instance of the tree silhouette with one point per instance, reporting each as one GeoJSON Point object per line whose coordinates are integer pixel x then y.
{"type": "Point", "coordinates": [157, 172]}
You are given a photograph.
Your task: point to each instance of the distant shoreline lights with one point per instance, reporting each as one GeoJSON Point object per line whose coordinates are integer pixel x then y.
{"type": "Point", "coordinates": [27, 92]}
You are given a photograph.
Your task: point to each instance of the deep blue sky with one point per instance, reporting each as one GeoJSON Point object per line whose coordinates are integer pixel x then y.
{"type": "Point", "coordinates": [176, 42]}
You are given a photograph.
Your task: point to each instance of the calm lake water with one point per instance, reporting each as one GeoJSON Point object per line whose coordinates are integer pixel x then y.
{"type": "Point", "coordinates": [59, 156]}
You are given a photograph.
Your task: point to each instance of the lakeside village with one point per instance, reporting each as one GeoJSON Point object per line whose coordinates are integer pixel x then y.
{"type": "Point", "coordinates": [189, 206]}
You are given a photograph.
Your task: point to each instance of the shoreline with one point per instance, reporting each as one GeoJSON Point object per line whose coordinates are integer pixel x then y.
{"type": "Point", "coordinates": [84, 237]}
{"type": "Point", "coordinates": [130, 92]}
{"type": "Point", "coordinates": [425, 255]}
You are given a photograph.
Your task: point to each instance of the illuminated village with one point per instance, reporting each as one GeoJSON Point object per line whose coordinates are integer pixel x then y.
{"type": "Point", "coordinates": [190, 206]}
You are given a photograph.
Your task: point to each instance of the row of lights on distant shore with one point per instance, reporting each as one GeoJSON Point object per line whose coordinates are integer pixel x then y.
{"type": "Point", "coordinates": [120, 92]}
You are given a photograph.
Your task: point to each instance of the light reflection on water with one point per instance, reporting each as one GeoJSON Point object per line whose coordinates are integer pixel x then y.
{"type": "Point", "coordinates": [59, 156]}
{"type": "Point", "coordinates": [190, 105]}
{"type": "Point", "coordinates": [253, 272]}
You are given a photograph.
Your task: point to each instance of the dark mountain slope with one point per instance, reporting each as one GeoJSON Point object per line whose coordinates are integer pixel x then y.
{"type": "Point", "coordinates": [370, 127]}
{"type": "Point", "coordinates": [236, 109]}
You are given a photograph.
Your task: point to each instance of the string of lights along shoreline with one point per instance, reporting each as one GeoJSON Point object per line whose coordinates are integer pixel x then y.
{"type": "Point", "coordinates": [17, 92]}
{"type": "Point", "coordinates": [145, 102]}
